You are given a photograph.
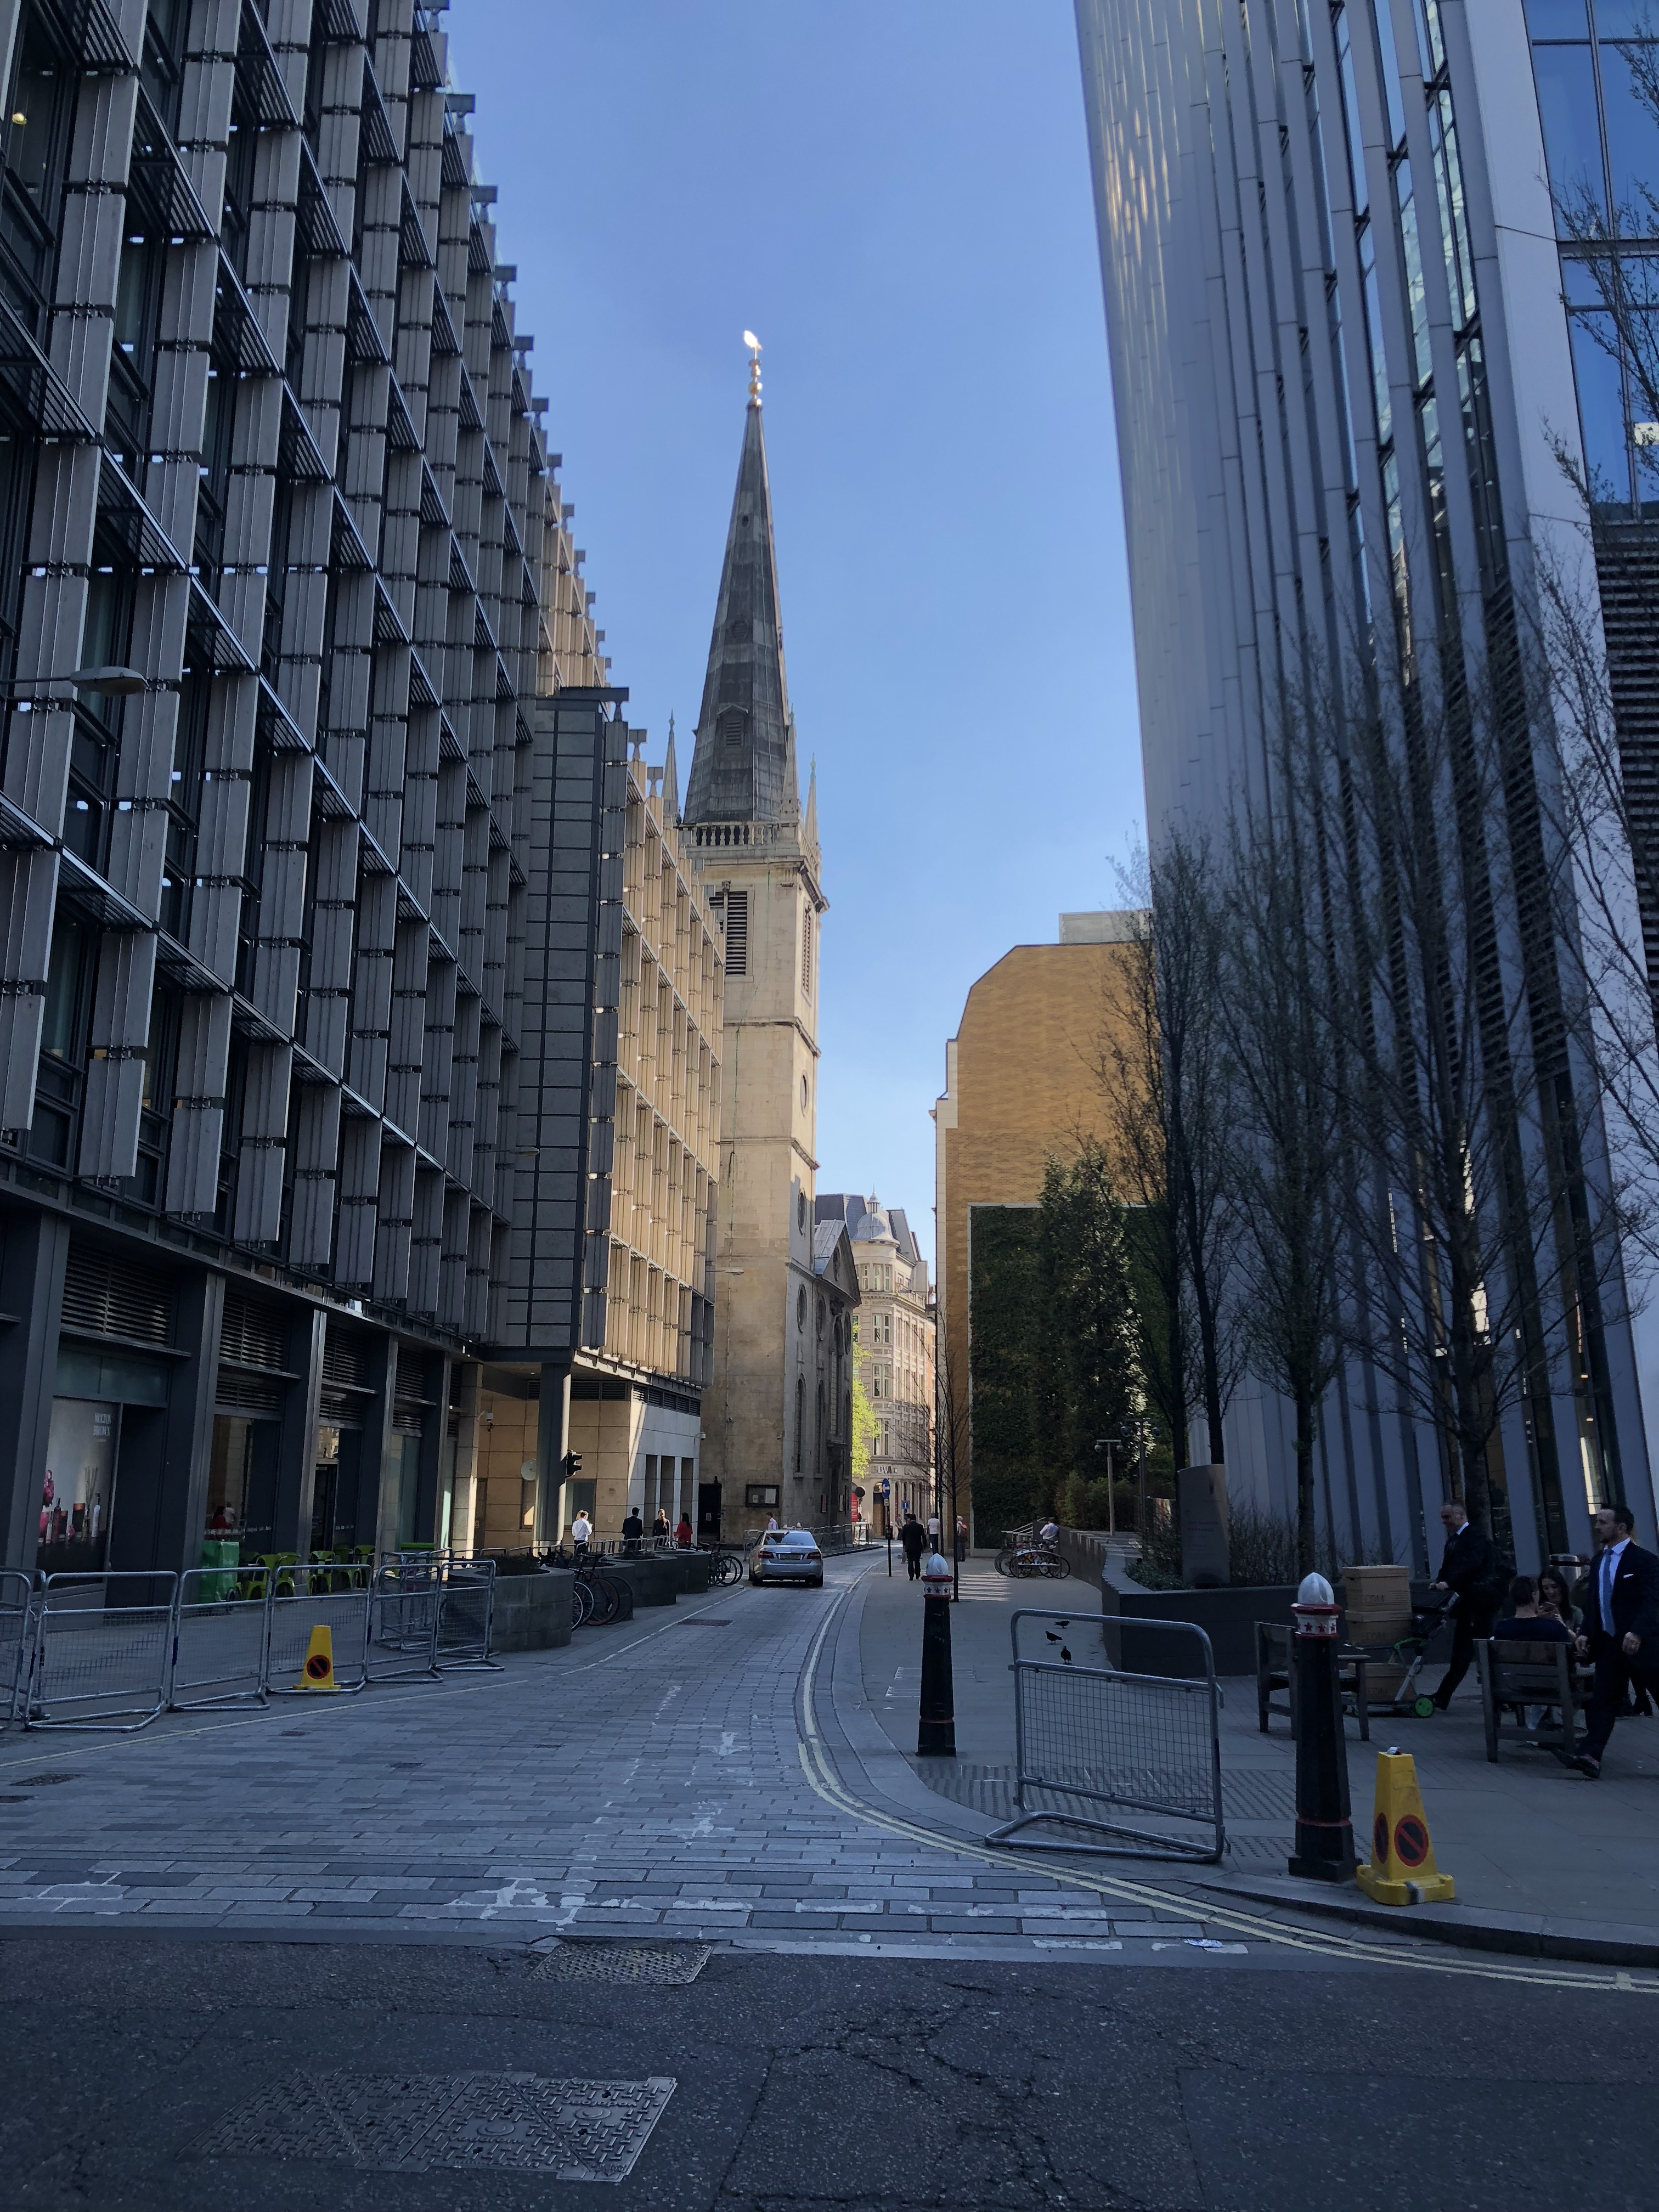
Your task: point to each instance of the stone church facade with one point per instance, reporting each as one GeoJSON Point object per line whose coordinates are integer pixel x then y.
{"type": "Point", "coordinates": [777, 1414]}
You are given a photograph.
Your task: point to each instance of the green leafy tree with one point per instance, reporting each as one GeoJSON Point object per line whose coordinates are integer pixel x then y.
{"type": "Point", "coordinates": [1087, 1377]}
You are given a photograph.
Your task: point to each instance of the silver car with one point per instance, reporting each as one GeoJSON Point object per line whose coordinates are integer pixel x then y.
{"type": "Point", "coordinates": [791, 1556]}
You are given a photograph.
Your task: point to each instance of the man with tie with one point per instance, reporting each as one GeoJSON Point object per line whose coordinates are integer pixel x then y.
{"type": "Point", "coordinates": [1621, 1627]}
{"type": "Point", "coordinates": [1470, 1570]}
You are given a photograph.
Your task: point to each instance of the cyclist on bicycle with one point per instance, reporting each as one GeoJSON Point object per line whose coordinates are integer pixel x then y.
{"type": "Point", "coordinates": [1048, 1535]}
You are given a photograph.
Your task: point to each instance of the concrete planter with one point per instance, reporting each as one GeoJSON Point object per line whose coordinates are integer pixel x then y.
{"type": "Point", "coordinates": [653, 1577]}
{"type": "Point", "coordinates": [692, 1568]}
{"type": "Point", "coordinates": [1228, 1617]}
{"type": "Point", "coordinates": [533, 1611]}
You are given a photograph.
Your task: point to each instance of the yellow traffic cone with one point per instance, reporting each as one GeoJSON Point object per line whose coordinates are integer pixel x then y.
{"type": "Point", "coordinates": [317, 1673]}
{"type": "Point", "coordinates": [1402, 1871]}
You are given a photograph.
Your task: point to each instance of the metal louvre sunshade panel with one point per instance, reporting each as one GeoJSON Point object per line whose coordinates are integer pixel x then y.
{"type": "Point", "coordinates": [1096, 1740]}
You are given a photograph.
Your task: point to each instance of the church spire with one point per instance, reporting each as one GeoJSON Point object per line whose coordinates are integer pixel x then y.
{"type": "Point", "coordinates": [743, 769]}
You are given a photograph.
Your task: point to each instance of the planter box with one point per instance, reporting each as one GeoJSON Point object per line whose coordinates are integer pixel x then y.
{"type": "Point", "coordinates": [1228, 1617]}
{"type": "Point", "coordinates": [692, 1567]}
{"type": "Point", "coordinates": [654, 1580]}
{"type": "Point", "coordinates": [533, 1611]}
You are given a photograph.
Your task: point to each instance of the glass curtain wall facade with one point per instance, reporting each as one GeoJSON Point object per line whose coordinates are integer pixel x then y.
{"type": "Point", "coordinates": [268, 442]}
{"type": "Point", "coordinates": [1340, 358]}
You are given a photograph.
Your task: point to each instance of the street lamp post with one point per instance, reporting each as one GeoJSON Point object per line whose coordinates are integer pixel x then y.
{"type": "Point", "coordinates": [1105, 1444]}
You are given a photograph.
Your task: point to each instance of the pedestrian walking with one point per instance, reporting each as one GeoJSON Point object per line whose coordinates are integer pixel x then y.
{"type": "Point", "coordinates": [961, 1540]}
{"type": "Point", "coordinates": [933, 1530]}
{"type": "Point", "coordinates": [913, 1537]}
{"type": "Point", "coordinates": [1470, 1570]}
{"type": "Point", "coordinates": [685, 1534]}
{"type": "Point", "coordinates": [633, 1530]}
{"type": "Point", "coordinates": [1621, 1625]}
{"type": "Point", "coordinates": [582, 1534]}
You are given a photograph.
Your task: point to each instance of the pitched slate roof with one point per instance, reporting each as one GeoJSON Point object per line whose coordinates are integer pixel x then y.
{"type": "Point", "coordinates": [744, 767]}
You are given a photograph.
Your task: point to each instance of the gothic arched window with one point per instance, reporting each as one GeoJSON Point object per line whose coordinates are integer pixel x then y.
{"type": "Point", "coordinates": [800, 1418]}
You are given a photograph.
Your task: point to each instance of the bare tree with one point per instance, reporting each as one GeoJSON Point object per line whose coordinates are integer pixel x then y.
{"type": "Point", "coordinates": [1474, 1079]}
{"type": "Point", "coordinates": [1288, 1148]}
{"type": "Point", "coordinates": [1161, 1067]}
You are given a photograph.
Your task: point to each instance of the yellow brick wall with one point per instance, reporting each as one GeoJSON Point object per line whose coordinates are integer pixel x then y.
{"type": "Point", "coordinates": [1026, 1088]}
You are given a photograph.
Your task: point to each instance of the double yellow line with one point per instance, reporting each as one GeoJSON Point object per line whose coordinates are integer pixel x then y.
{"type": "Point", "coordinates": [826, 1783]}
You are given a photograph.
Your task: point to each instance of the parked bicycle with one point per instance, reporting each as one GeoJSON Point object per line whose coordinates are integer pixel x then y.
{"type": "Point", "coordinates": [1031, 1562]}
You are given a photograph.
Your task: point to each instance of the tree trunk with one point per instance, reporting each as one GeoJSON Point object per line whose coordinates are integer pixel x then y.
{"type": "Point", "coordinates": [1304, 1480]}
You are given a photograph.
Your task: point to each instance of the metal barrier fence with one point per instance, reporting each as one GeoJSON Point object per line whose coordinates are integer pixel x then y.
{"type": "Point", "coordinates": [403, 1620]}
{"type": "Point", "coordinates": [1091, 1738]}
{"type": "Point", "coordinates": [221, 1635]}
{"type": "Point", "coordinates": [305, 1597]}
{"type": "Point", "coordinates": [17, 1589]}
{"type": "Point", "coordinates": [114, 1651]}
{"type": "Point", "coordinates": [466, 1613]}
{"type": "Point", "coordinates": [100, 1651]}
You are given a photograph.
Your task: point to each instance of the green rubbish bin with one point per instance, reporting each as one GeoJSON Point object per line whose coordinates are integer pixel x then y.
{"type": "Point", "coordinates": [220, 1589]}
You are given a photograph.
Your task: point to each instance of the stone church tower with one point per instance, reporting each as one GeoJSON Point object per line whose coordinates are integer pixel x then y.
{"type": "Point", "coordinates": [776, 1419]}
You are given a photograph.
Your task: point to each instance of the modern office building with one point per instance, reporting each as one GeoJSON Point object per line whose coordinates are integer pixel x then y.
{"type": "Point", "coordinates": [1344, 372]}
{"type": "Point", "coordinates": [777, 1416]}
{"type": "Point", "coordinates": [893, 1336]}
{"type": "Point", "coordinates": [1021, 1087]}
{"type": "Point", "coordinates": [317, 909]}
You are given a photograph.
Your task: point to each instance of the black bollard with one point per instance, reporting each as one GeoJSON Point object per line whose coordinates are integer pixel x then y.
{"type": "Point", "coordinates": [1324, 1829]}
{"type": "Point", "coordinates": [936, 1731]}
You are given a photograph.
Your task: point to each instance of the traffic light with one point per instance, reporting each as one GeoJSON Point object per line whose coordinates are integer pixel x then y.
{"type": "Point", "coordinates": [573, 1466]}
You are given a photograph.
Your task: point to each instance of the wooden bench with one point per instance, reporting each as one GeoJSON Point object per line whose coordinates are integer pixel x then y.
{"type": "Point", "coordinates": [1543, 1674]}
{"type": "Point", "coordinates": [1274, 1671]}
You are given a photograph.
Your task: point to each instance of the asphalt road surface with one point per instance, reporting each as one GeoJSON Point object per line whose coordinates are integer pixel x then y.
{"type": "Point", "coordinates": [176, 2071]}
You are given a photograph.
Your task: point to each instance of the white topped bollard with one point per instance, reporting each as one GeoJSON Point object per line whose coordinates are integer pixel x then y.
{"type": "Point", "coordinates": [1324, 1827]}
{"type": "Point", "coordinates": [936, 1730]}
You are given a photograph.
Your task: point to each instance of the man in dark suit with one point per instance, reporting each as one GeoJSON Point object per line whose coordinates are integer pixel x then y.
{"type": "Point", "coordinates": [1620, 1596]}
{"type": "Point", "coordinates": [1470, 1570]}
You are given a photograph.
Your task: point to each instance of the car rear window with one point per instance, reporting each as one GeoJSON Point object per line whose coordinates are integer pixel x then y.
{"type": "Point", "coordinates": [798, 1540]}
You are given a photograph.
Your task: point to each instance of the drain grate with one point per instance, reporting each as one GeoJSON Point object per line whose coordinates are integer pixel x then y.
{"type": "Point", "coordinates": [705, 1623]}
{"type": "Point", "coordinates": [435, 2123]}
{"type": "Point", "coordinates": [639, 1964]}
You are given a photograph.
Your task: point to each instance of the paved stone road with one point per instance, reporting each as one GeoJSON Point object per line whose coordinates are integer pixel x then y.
{"type": "Point", "coordinates": [647, 1778]}
{"type": "Point", "coordinates": [714, 1772]}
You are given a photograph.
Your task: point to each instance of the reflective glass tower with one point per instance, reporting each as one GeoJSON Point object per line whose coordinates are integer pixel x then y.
{"type": "Point", "coordinates": [1334, 259]}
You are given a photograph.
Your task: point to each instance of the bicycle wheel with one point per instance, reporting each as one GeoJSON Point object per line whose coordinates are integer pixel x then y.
{"type": "Point", "coordinates": [730, 1570]}
{"type": "Point", "coordinates": [581, 1606]}
{"type": "Point", "coordinates": [1056, 1569]}
{"type": "Point", "coordinates": [602, 1601]}
{"type": "Point", "coordinates": [1004, 1562]}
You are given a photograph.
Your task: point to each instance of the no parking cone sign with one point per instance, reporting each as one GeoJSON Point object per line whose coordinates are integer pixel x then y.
{"type": "Point", "coordinates": [317, 1673]}
{"type": "Point", "coordinates": [1402, 1871]}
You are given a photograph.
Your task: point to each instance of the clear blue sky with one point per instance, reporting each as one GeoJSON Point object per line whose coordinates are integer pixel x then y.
{"type": "Point", "coordinates": [896, 198]}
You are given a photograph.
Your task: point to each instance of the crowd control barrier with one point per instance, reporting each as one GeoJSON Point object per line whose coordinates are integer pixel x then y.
{"type": "Point", "coordinates": [113, 1650]}
{"type": "Point", "coordinates": [16, 1620]}
{"type": "Point", "coordinates": [1094, 1743]}
{"type": "Point", "coordinates": [403, 1620]}
{"type": "Point", "coordinates": [466, 1613]}
{"type": "Point", "coordinates": [305, 1597]}
{"type": "Point", "coordinates": [101, 1650]}
{"type": "Point", "coordinates": [221, 1634]}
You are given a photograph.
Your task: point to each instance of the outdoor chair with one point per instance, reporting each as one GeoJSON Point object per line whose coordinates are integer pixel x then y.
{"type": "Point", "coordinates": [1274, 1671]}
{"type": "Point", "coordinates": [1522, 1674]}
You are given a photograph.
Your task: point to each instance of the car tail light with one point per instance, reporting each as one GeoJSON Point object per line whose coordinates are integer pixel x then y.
{"type": "Point", "coordinates": [816, 1557]}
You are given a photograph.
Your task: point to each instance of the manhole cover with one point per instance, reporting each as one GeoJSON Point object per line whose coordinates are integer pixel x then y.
{"type": "Point", "coordinates": [428, 2123]}
{"type": "Point", "coordinates": [726, 1622]}
{"type": "Point", "coordinates": [638, 1964]}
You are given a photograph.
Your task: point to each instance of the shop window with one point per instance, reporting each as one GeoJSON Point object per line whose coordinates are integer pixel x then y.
{"type": "Point", "coordinates": [77, 1492]}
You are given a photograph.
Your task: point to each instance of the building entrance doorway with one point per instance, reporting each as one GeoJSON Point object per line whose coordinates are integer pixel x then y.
{"type": "Point", "coordinates": [709, 1510]}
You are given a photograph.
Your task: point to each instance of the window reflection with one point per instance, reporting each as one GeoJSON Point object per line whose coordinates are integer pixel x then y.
{"type": "Point", "coordinates": [1601, 408]}
{"type": "Point", "coordinates": [1633, 143]}
{"type": "Point", "coordinates": [1557, 19]}
{"type": "Point", "coordinates": [1572, 137]}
